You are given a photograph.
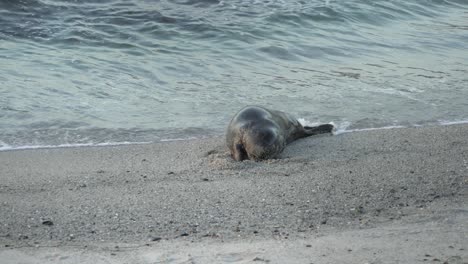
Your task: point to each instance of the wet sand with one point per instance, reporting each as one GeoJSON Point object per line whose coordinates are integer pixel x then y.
{"type": "Point", "coordinates": [382, 196]}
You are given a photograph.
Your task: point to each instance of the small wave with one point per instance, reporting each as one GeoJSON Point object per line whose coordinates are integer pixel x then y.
{"type": "Point", "coordinates": [6, 147]}
{"type": "Point", "coordinates": [343, 127]}
{"type": "Point", "coordinates": [342, 131]}
{"type": "Point", "coordinates": [449, 123]}
{"type": "Point", "coordinates": [178, 139]}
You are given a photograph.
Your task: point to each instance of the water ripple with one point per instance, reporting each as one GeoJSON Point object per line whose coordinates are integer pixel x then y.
{"type": "Point", "coordinates": [141, 70]}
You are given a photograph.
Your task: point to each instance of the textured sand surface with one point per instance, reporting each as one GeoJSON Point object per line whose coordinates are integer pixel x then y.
{"type": "Point", "coordinates": [357, 197]}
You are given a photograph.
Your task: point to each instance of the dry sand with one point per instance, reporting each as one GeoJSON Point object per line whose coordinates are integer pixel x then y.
{"type": "Point", "coordinates": [382, 196]}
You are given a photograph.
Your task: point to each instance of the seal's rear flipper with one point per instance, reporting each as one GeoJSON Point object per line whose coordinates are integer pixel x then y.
{"type": "Point", "coordinates": [322, 129]}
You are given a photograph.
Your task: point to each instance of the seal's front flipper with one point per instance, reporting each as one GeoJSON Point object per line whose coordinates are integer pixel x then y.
{"type": "Point", "coordinates": [322, 129]}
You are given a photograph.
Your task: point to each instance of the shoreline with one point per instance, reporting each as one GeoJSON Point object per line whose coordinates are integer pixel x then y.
{"type": "Point", "coordinates": [125, 143]}
{"type": "Point", "coordinates": [378, 189]}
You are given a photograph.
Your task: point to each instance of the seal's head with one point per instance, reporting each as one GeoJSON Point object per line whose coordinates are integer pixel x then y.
{"type": "Point", "coordinates": [262, 143]}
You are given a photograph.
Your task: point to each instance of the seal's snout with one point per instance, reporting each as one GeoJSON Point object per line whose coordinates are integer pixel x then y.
{"type": "Point", "coordinates": [240, 154]}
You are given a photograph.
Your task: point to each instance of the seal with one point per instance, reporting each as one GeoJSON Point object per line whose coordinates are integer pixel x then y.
{"type": "Point", "coordinates": [258, 133]}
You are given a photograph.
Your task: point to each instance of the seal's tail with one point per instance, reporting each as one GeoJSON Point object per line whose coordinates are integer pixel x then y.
{"type": "Point", "coordinates": [321, 129]}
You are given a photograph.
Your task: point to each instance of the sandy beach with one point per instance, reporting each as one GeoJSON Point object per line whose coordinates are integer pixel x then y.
{"type": "Point", "coordinates": [381, 196]}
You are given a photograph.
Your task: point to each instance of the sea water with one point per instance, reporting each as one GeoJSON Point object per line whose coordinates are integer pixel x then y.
{"type": "Point", "coordinates": [97, 72]}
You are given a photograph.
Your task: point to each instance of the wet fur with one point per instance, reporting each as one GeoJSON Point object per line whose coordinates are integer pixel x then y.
{"type": "Point", "coordinates": [258, 133]}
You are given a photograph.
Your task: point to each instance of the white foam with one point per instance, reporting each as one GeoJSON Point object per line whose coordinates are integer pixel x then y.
{"type": "Point", "coordinates": [448, 123]}
{"type": "Point", "coordinates": [178, 139]}
{"type": "Point", "coordinates": [305, 122]}
{"type": "Point", "coordinates": [342, 127]}
{"type": "Point", "coordinates": [365, 129]}
{"type": "Point", "coordinates": [6, 147]}
{"type": "Point", "coordinates": [440, 122]}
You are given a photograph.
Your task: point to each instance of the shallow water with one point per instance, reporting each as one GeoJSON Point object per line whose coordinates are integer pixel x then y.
{"type": "Point", "coordinates": [96, 72]}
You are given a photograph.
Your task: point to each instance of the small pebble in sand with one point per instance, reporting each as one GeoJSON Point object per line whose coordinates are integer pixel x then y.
{"type": "Point", "coordinates": [261, 259]}
{"type": "Point", "coordinates": [47, 222]}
